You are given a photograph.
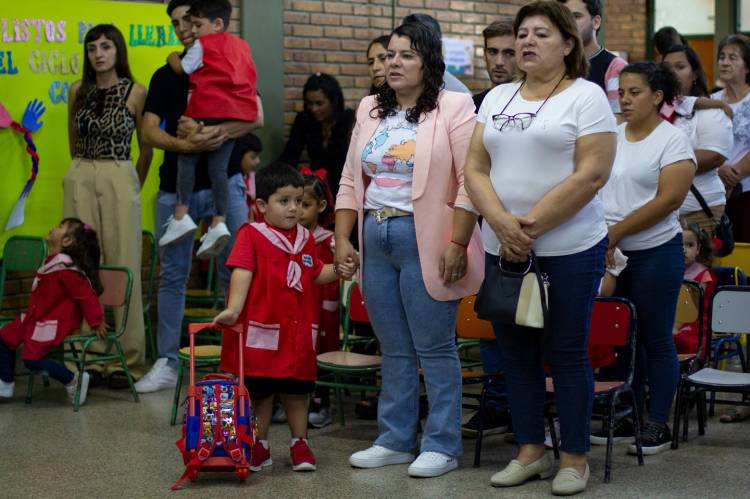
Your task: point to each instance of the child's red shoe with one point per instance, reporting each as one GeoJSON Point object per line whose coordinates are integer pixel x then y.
{"type": "Point", "coordinates": [302, 457]}
{"type": "Point", "coordinates": [260, 457]}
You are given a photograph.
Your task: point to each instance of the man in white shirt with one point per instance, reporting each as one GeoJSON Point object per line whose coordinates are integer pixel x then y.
{"type": "Point", "coordinates": [450, 82]}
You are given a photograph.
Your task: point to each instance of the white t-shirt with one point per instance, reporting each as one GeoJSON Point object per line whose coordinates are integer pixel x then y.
{"type": "Point", "coordinates": [192, 61]}
{"type": "Point", "coordinates": [740, 130]}
{"type": "Point", "coordinates": [388, 159]}
{"type": "Point", "coordinates": [635, 180]}
{"type": "Point", "coordinates": [526, 164]}
{"type": "Point", "coordinates": [710, 130]}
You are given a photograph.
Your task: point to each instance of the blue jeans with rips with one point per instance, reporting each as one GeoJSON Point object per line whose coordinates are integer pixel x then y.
{"type": "Point", "coordinates": [414, 331]}
{"type": "Point", "coordinates": [175, 259]}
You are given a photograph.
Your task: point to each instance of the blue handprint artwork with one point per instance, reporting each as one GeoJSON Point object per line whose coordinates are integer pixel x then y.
{"type": "Point", "coordinates": [29, 124]}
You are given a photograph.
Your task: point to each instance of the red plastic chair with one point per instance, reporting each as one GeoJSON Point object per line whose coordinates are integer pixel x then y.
{"type": "Point", "coordinates": [613, 324]}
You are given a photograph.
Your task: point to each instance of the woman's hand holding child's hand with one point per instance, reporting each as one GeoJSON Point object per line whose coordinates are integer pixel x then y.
{"type": "Point", "coordinates": [347, 269]}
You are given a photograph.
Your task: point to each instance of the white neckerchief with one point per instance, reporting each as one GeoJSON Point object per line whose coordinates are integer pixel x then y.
{"type": "Point", "coordinates": [293, 271]}
{"type": "Point", "coordinates": [321, 234]}
{"type": "Point", "coordinates": [60, 261]}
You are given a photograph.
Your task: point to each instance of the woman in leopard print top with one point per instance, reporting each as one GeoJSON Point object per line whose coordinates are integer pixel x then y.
{"type": "Point", "coordinates": [101, 186]}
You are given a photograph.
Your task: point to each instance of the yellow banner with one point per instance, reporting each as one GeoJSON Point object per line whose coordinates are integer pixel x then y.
{"type": "Point", "coordinates": [41, 54]}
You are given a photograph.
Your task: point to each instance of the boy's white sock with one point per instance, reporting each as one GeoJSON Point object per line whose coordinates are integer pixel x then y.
{"type": "Point", "coordinates": [294, 441]}
{"type": "Point", "coordinates": [264, 443]}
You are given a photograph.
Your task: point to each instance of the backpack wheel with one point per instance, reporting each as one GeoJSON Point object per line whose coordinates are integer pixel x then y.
{"type": "Point", "coordinates": [242, 474]}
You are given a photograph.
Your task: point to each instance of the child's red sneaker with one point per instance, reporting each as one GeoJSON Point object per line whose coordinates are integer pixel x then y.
{"type": "Point", "coordinates": [302, 457]}
{"type": "Point", "coordinates": [260, 457]}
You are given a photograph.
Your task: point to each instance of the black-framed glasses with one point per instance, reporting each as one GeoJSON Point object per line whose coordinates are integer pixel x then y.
{"type": "Point", "coordinates": [518, 121]}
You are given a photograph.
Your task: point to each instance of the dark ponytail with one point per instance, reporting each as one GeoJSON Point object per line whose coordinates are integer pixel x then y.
{"type": "Point", "coordinates": [84, 250]}
{"type": "Point", "coordinates": [321, 192]}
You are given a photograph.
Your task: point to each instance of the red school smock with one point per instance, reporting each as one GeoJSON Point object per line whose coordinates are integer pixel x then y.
{"type": "Point", "coordinates": [281, 312]}
{"type": "Point", "coordinates": [328, 295]}
{"type": "Point", "coordinates": [225, 86]}
{"type": "Point", "coordinates": [61, 296]}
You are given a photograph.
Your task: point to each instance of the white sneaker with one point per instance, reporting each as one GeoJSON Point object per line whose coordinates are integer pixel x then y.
{"type": "Point", "coordinates": [6, 389]}
{"type": "Point", "coordinates": [279, 414]}
{"type": "Point", "coordinates": [213, 241]}
{"type": "Point", "coordinates": [71, 388]}
{"type": "Point", "coordinates": [160, 377]}
{"type": "Point", "coordinates": [177, 229]}
{"type": "Point", "coordinates": [430, 464]}
{"type": "Point", "coordinates": [377, 456]}
{"type": "Point", "coordinates": [320, 418]}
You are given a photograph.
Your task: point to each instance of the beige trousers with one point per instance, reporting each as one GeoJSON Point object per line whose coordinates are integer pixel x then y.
{"type": "Point", "coordinates": [106, 195]}
{"type": "Point", "coordinates": [701, 219]}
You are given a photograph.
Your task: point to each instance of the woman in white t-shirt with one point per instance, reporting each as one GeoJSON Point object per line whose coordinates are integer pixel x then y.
{"type": "Point", "coordinates": [710, 135]}
{"type": "Point", "coordinates": [542, 148]}
{"type": "Point", "coordinates": [653, 170]}
{"type": "Point", "coordinates": [734, 71]}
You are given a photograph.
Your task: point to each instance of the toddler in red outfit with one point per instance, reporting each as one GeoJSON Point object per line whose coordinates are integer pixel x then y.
{"type": "Point", "coordinates": [272, 296]}
{"type": "Point", "coordinates": [223, 87]}
{"type": "Point", "coordinates": [64, 291]}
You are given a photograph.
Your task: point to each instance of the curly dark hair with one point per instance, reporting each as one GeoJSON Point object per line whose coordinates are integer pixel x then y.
{"type": "Point", "coordinates": [84, 250]}
{"type": "Point", "coordinates": [658, 76]}
{"type": "Point", "coordinates": [429, 47]}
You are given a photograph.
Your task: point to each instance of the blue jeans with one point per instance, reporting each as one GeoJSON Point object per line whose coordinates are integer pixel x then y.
{"type": "Point", "coordinates": [175, 259]}
{"type": "Point", "coordinates": [652, 281]}
{"type": "Point", "coordinates": [218, 161]}
{"type": "Point", "coordinates": [414, 331]}
{"type": "Point", "coordinates": [574, 282]}
{"type": "Point", "coordinates": [55, 369]}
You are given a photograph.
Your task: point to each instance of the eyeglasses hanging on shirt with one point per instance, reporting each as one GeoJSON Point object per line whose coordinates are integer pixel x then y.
{"type": "Point", "coordinates": [522, 121]}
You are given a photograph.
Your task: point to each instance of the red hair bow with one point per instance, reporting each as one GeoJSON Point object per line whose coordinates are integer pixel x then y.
{"type": "Point", "coordinates": [320, 173]}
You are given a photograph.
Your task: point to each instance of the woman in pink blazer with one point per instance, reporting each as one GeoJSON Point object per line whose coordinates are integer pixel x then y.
{"type": "Point", "coordinates": [420, 247]}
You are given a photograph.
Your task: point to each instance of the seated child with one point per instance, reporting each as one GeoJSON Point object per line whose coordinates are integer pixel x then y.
{"type": "Point", "coordinates": [223, 87]}
{"type": "Point", "coordinates": [696, 246]}
{"type": "Point", "coordinates": [317, 204]}
{"type": "Point", "coordinates": [272, 294]}
{"type": "Point", "coordinates": [64, 291]}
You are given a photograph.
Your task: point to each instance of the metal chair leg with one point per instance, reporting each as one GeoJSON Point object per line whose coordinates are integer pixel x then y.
{"type": "Point", "coordinates": [610, 425]}
{"type": "Point", "coordinates": [480, 430]}
{"type": "Point", "coordinates": [30, 387]}
{"type": "Point", "coordinates": [676, 419]}
{"type": "Point", "coordinates": [637, 429]}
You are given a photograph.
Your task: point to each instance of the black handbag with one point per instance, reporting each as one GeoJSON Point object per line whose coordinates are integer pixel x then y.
{"type": "Point", "coordinates": [514, 296]}
{"type": "Point", "coordinates": [723, 230]}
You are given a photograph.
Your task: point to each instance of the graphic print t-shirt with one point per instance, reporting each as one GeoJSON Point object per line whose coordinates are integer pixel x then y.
{"type": "Point", "coordinates": [388, 159]}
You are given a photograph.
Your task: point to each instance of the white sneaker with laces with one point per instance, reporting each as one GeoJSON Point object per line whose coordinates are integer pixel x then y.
{"type": "Point", "coordinates": [430, 464]}
{"type": "Point", "coordinates": [320, 418]}
{"type": "Point", "coordinates": [6, 389]}
{"type": "Point", "coordinates": [177, 229]}
{"type": "Point", "coordinates": [160, 377]}
{"type": "Point", "coordinates": [377, 456]}
{"type": "Point", "coordinates": [213, 241]}
{"type": "Point", "coordinates": [71, 388]}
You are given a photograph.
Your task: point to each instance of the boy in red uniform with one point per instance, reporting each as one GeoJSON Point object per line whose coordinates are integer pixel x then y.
{"type": "Point", "coordinates": [271, 292]}
{"type": "Point", "coordinates": [223, 87]}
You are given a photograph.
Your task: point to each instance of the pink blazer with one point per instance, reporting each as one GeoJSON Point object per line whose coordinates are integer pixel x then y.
{"type": "Point", "coordinates": [443, 138]}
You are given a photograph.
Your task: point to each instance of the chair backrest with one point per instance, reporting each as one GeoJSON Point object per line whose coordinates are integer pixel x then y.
{"type": "Point", "coordinates": [730, 276]}
{"type": "Point", "coordinates": [613, 324]}
{"type": "Point", "coordinates": [730, 310]}
{"type": "Point", "coordinates": [356, 305]}
{"type": "Point", "coordinates": [689, 303]}
{"type": "Point", "coordinates": [21, 254]}
{"type": "Point", "coordinates": [468, 325]}
{"type": "Point", "coordinates": [118, 286]}
{"type": "Point", "coordinates": [148, 265]}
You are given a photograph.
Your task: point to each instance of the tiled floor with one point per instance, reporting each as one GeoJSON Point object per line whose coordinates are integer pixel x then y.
{"type": "Point", "coordinates": [116, 448]}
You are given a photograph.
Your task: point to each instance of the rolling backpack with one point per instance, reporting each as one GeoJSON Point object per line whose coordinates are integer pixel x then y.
{"type": "Point", "coordinates": [218, 431]}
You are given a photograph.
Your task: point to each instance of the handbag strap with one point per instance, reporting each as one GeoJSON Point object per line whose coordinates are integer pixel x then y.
{"type": "Point", "coordinates": [542, 291]}
{"type": "Point", "coordinates": [701, 201]}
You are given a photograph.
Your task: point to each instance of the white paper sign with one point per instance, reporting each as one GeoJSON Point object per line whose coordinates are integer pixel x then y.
{"type": "Point", "coordinates": [459, 56]}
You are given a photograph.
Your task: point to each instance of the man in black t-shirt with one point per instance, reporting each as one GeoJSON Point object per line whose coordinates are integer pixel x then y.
{"type": "Point", "coordinates": [165, 104]}
{"type": "Point", "coordinates": [499, 55]}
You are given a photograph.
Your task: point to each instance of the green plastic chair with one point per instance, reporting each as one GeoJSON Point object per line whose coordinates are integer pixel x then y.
{"type": "Point", "coordinates": [118, 288]}
{"type": "Point", "coordinates": [21, 254]}
{"type": "Point", "coordinates": [148, 265]}
{"type": "Point", "coordinates": [344, 370]}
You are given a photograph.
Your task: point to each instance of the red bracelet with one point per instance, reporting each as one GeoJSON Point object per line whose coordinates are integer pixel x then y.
{"type": "Point", "coordinates": [459, 244]}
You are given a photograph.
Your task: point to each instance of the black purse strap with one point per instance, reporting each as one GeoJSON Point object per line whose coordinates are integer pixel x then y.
{"type": "Point", "coordinates": [702, 202]}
